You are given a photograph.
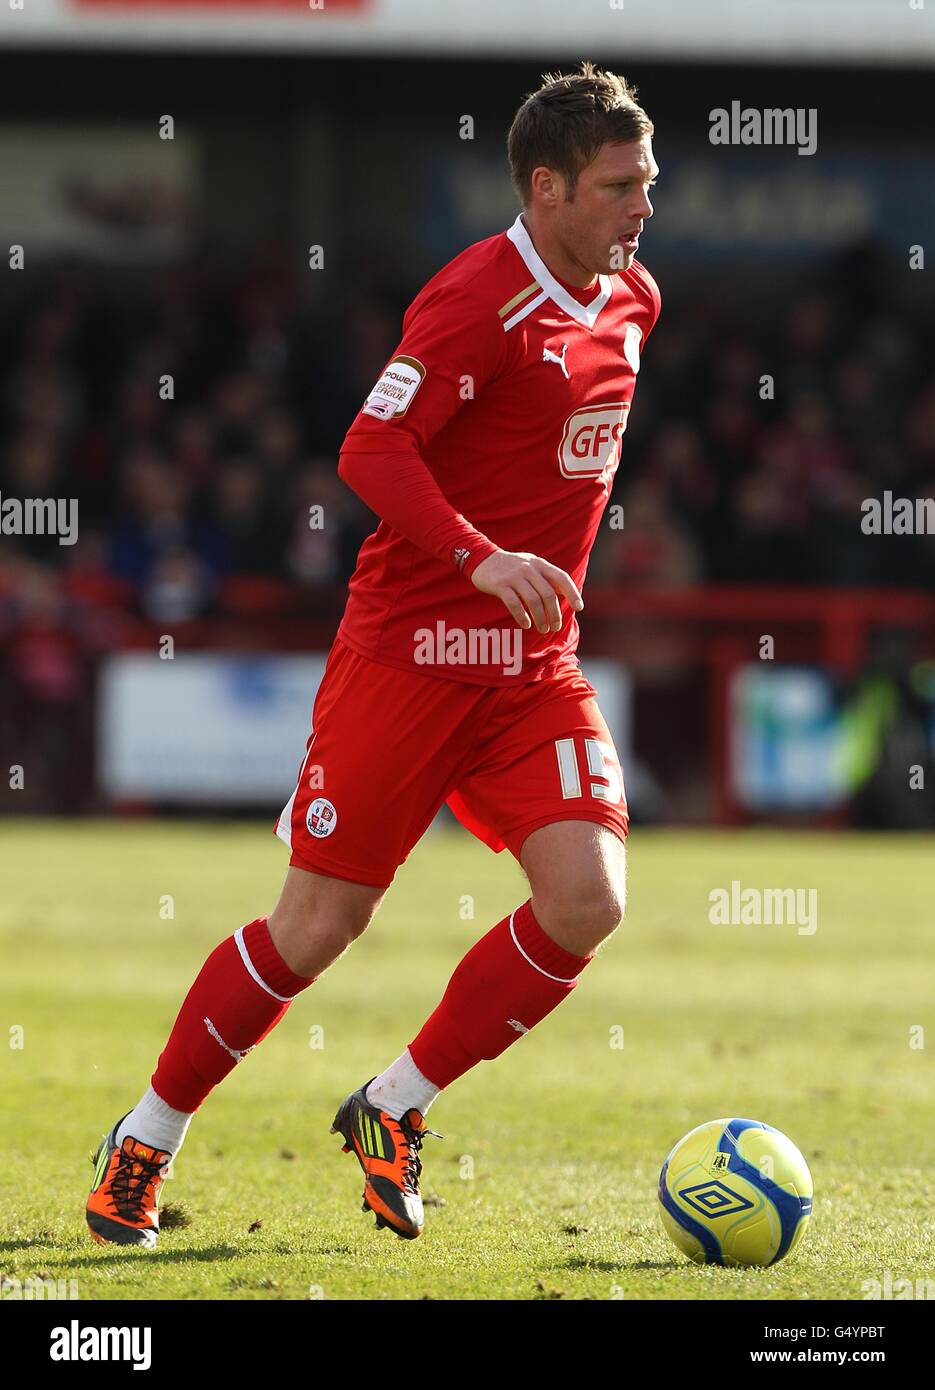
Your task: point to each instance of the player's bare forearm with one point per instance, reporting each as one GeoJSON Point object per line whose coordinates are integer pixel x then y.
{"type": "Point", "coordinates": [529, 587]}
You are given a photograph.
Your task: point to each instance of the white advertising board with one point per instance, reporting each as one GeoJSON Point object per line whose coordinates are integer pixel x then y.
{"type": "Point", "coordinates": [836, 31]}
{"type": "Point", "coordinates": [205, 728]}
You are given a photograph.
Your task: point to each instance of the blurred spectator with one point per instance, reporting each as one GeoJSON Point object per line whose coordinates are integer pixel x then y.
{"type": "Point", "coordinates": [252, 531]}
{"type": "Point", "coordinates": [178, 587]}
{"type": "Point", "coordinates": [156, 523]}
{"type": "Point", "coordinates": [46, 684]}
{"type": "Point", "coordinates": [653, 547]}
{"type": "Point", "coordinates": [325, 535]}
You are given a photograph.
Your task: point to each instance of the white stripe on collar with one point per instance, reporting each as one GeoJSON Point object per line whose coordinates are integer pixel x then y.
{"type": "Point", "coordinates": [585, 314]}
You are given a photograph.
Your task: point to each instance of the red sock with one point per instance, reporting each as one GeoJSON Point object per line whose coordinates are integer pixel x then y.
{"type": "Point", "coordinates": [513, 975]}
{"type": "Point", "coordinates": [242, 992]}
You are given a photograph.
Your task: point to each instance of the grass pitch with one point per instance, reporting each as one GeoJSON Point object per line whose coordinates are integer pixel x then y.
{"type": "Point", "coordinates": [544, 1185]}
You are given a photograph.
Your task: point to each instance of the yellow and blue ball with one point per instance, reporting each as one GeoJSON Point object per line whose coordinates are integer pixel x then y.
{"type": "Point", "coordinates": [735, 1192]}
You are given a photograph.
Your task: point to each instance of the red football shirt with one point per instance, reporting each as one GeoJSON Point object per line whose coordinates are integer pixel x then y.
{"type": "Point", "coordinates": [514, 389]}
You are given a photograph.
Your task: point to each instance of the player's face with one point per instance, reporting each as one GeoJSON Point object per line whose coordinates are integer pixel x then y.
{"type": "Point", "coordinates": [601, 225]}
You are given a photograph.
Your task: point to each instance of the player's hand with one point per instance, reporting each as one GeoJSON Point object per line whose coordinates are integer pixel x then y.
{"type": "Point", "coordinates": [529, 587]}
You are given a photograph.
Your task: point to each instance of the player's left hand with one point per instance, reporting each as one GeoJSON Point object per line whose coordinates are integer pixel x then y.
{"type": "Point", "coordinates": [529, 587]}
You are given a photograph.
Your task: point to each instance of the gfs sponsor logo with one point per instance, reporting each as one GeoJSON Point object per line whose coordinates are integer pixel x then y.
{"type": "Point", "coordinates": [592, 439]}
{"type": "Point", "coordinates": [393, 393]}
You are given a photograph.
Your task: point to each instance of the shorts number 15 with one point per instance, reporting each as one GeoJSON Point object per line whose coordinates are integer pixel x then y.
{"type": "Point", "coordinates": [601, 763]}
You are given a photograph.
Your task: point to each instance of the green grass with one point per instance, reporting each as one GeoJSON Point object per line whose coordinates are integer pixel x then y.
{"type": "Point", "coordinates": [544, 1185]}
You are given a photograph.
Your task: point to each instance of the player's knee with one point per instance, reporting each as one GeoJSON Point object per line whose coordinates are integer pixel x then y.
{"type": "Point", "coordinates": [603, 909]}
{"type": "Point", "coordinates": [311, 942]}
{"type": "Point", "coordinates": [581, 916]}
{"type": "Point", "coordinates": [339, 923]}
{"type": "Point", "coordinates": [314, 924]}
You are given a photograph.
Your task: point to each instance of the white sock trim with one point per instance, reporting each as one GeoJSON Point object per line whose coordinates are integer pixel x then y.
{"type": "Point", "coordinates": [519, 948]}
{"type": "Point", "coordinates": [155, 1122]}
{"type": "Point", "coordinates": [251, 968]}
{"type": "Point", "coordinates": [402, 1087]}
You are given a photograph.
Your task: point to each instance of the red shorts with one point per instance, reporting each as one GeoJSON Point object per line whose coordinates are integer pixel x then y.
{"type": "Point", "coordinates": [388, 747]}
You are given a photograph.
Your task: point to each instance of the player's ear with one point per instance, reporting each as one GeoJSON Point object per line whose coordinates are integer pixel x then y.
{"type": "Point", "coordinates": [545, 185]}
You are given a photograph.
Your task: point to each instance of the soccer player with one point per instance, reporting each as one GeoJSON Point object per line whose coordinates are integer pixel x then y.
{"type": "Point", "coordinates": [488, 447]}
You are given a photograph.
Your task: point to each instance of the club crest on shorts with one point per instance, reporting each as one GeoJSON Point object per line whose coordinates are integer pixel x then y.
{"type": "Point", "coordinates": [321, 818]}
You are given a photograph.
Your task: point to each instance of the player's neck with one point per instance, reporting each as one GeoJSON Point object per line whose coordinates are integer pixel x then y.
{"type": "Point", "coordinates": [562, 266]}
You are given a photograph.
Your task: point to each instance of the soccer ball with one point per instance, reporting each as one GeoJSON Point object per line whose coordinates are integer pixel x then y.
{"type": "Point", "coordinates": [735, 1192]}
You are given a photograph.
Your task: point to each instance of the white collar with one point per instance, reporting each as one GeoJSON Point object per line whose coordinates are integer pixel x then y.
{"type": "Point", "coordinates": [585, 314]}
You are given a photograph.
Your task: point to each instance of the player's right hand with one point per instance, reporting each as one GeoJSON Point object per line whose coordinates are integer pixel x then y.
{"type": "Point", "coordinates": [529, 588]}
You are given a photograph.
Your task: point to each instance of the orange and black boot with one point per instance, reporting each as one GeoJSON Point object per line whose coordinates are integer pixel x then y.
{"type": "Point", "coordinates": [122, 1202]}
{"type": "Point", "coordinates": [388, 1152]}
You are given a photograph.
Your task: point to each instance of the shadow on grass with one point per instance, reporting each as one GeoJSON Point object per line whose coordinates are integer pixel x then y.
{"type": "Point", "coordinates": [156, 1257]}
{"type": "Point", "coordinates": [28, 1243]}
{"type": "Point", "coordinates": [94, 1260]}
{"type": "Point", "coordinates": [616, 1266]}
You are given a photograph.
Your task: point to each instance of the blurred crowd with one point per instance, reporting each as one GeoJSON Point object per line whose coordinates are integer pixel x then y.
{"type": "Point", "coordinates": [197, 417]}
{"type": "Point", "coordinates": [753, 440]}
{"type": "Point", "coordinates": [758, 433]}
